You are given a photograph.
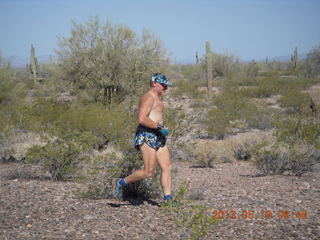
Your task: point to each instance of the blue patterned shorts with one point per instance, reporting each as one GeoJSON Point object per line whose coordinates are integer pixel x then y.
{"type": "Point", "coordinates": [150, 136]}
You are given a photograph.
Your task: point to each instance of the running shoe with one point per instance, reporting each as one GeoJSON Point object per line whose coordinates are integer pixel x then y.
{"type": "Point", "coordinates": [117, 189]}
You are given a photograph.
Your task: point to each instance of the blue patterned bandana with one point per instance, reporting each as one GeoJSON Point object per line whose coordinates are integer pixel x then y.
{"type": "Point", "coordinates": [161, 78]}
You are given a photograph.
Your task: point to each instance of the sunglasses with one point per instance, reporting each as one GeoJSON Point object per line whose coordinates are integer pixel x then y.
{"type": "Point", "coordinates": [164, 86]}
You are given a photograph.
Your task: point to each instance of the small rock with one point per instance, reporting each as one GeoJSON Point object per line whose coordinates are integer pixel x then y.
{"type": "Point", "coordinates": [286, 173]}
{"type": "Point", "coordinates": [88, 217]}
{"type": "Point", "coordinates": [304, 186]}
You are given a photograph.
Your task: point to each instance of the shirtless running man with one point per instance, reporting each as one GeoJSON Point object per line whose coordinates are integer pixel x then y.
{"type": "Point", "coordinates": [151, 139]}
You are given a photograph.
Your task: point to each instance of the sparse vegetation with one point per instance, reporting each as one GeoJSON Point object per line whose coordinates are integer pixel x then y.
{"type": "Point", "coordinates": [296, 148]}
{"type": "Point", "coordinates": [195, 219]}
{"type": "Point", "coordinates": [86, 103]}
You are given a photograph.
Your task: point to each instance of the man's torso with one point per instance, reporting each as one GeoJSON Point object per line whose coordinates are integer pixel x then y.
{"type": "Point", "coordinates": [156, 113]}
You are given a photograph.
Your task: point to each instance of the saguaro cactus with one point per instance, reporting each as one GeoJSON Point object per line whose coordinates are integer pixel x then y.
{"type": "Point", "coordinates": [209, 67]}
{"type": "Point", "coordinates": [197, 57]}
{"type": "Point", "coordinates": [294, 58]}
{"type": "Point", "coordinates": [33, 63]}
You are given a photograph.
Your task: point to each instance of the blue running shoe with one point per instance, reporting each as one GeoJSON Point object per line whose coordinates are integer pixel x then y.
{"type": "Point", "coordinates": [170, 203]}
{"type": "Point", "coordinates": [117, 189]}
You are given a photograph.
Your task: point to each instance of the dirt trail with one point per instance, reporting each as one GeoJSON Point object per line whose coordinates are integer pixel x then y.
{"type": "Point", "coordinates": [42, 209]}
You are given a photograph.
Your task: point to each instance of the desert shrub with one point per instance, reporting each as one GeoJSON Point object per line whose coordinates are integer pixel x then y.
{"type": "Point", "coordinates": [175, 120]}
{"type": "Point", "coordinates": [217, 123]}
{"type": "Point", "coordinates": [233, 109]}
{"type": "Point", "coordinates": [62, 156]}
{"type": "Point", "coordinates": [7, 95]}
{"type": "Point", "coordinates": [236, 81]}
{"type": "Point", "coordinates": [44, 115]}
{"type": "Point", "coordinates": [203, 156]}
{"type": "Point", "coordinates": [252, 69]}
{"type": "Point", "coordinates": [298, 129]}
{"type": "Point", "coordinates": [265, 87]}
{"type": "Point", "coordinates": [223, 64]}
{"type": "Point", "coordinates": [96, 174]}
{"type": "Point", "coordinates": [187, 88]}
{"type": "Point", "coordinates": [258, 116]}
{"type": "Point", "coordinates": [271, 84]}
{"type": "Point", "coordinates": [295, 160]}
{"type": "Point", "coordinates": [147, 188]}
{"type": "Point", "coordinates": [99, 175]}
{"type": "Point", "coordinates": [295, 101]}
{"type": "Point", "coordinates": [190, 72]}
{"type": "Point", "coordinates": [311, 65]}
{"type": "Point", "coordinates": [242, 152]}
{"type": "Point", "coordinates": [195, 219]}
{"type": "Point", "coordinates": [6, 85]}
{"type": "Point", "coordinates": [296, 148]}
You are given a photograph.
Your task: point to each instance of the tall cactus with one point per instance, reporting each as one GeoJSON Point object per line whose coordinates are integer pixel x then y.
{"type": "Point", "coordinates": [197, 57]}
{"type": "Point", "coordinates": [294, 58]}
{"type": "Point", "coordinates": [209, 67]}
{"type": "Point", "coordinates": [33, 63]}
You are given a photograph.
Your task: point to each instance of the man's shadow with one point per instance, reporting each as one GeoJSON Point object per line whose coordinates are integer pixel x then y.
{"type": "Point", "coordinates": [134, 202]}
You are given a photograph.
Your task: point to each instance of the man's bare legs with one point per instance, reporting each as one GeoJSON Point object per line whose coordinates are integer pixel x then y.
{"type": "Point", "coordinates": [163, 158]}
{"type": "Point", "coordinates": [150, 158]}
{"type": "Point", "coordinates": [150, 161]}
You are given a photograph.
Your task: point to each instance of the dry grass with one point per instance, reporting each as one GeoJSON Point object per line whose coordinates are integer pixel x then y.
{"type": "Point", "coordinates": [225, 148]}
{"type": "Point", "coordinates": [314, 92]}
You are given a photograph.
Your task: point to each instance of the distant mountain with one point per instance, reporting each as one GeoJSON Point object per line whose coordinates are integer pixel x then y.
{"type": "Point", "coordinates": [287, 58]}
{"type": "Point", "coordinates": [47, 58]}
{"type": "Point", "coordinates": [18, 62]}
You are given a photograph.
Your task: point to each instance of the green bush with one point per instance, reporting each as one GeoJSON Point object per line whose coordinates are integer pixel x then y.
{"type": "Point", "coordinates": [44, 115]}
{"type": "Point", "coordinates": [252, 69]}
{"type": "Point", "coordinates": [271, 84]}
{"type": "Point", "coordinates": [296, 148]}
{"type": "Point", "coordinates": [99, 174]}
{"type": "Point", "coordinates": [295, 160]}
{"type": "Point", "coordinates": [295, 101]}
{"type": "Point", "coordinates": [5, 90]}
{"type": "Point", "coordinates": [147, 188]}
{"type": "Point", "coordinates": [311, 65]}
{"type": "Point", "coordinates": [194, 219]}
{"type": "Point", "coordinates": [187, 88]}
{"type": "Point", "coordinates": [258, 116]}
{"type": "Point", "coordinates": [234, 109]}
{"type": "Point", "coordinates": [99, 55]}
{"type": "Point", "coordinates": [190, 72]}
{"type": "Point", "coordinates": [298, 129]}
{"type": "Point", "coordinates": [62, 156]}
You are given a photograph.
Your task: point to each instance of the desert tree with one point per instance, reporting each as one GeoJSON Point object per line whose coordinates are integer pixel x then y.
{"type": "Point", "coordinates": [312, 62]}
{"type": "Point", "coordinates": [99, 56]}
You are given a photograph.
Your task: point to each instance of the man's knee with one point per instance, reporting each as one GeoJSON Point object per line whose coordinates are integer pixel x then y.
{"type": "Point", "coordinates": [150, 173]}
{"type": "Point", "coordinates": [167, 167]}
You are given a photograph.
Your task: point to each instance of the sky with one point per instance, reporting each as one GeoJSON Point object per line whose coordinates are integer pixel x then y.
{"type": "Point", "coordinates": [247, 29]}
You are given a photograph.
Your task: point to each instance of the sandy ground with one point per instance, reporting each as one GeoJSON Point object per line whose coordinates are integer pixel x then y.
{"type": "Point", "coordinates": [248, 206]}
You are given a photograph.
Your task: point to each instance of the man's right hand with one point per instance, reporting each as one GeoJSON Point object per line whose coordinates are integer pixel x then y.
{"type": "Point", "coordinates": [163, 130]}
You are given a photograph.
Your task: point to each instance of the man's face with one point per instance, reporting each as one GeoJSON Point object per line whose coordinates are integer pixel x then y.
{"type": "Point", "coordinates": [161, 88]}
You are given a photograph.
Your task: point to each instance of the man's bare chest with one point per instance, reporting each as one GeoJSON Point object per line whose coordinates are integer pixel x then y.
{"type": "Point", "coordinates": [158, 105]}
